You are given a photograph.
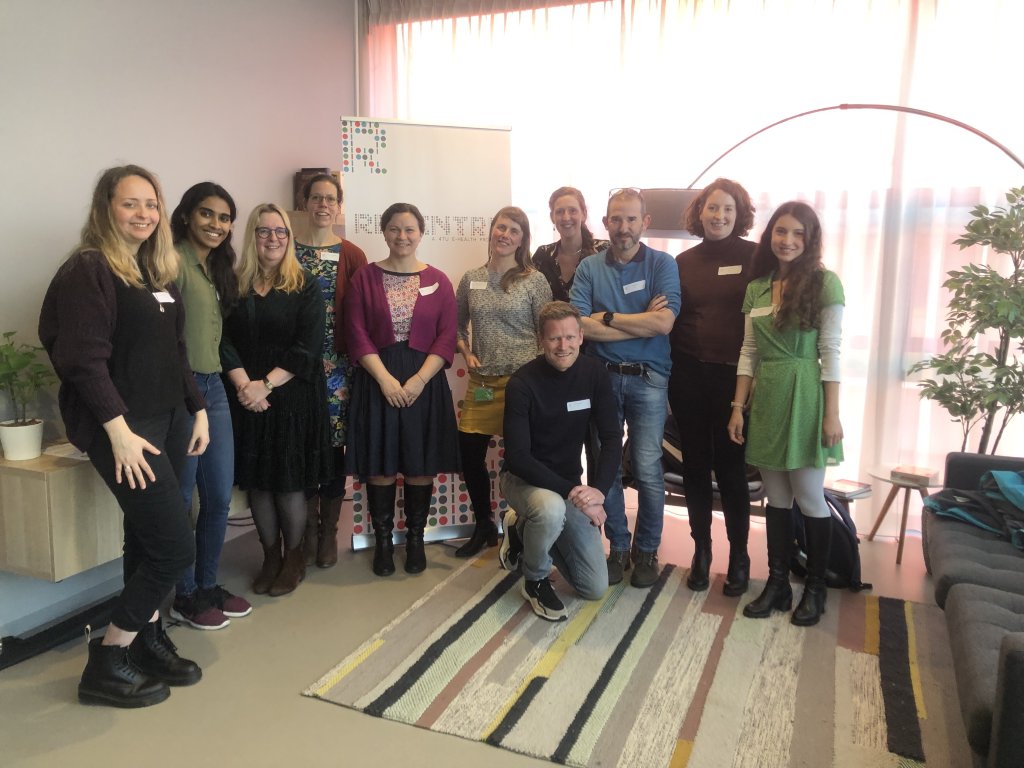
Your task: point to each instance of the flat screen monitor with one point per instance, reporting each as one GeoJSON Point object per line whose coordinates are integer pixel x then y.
{"type": "Point", "coordinates": [666, 208]}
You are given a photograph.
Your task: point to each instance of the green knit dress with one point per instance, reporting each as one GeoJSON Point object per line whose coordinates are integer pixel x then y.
{"type": "Point", "coordinates": [789, 401]}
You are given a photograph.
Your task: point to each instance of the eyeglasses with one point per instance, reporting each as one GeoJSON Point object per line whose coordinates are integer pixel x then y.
{"type": "Point", "coordinates": [263, 233]}
{"type": "Point", "coordinates": [329, 199]}
{"type": "Point", "coordinates": [626, 191]}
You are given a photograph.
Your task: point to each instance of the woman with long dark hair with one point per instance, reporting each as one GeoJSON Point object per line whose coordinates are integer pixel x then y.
{"type": "Point", "coordinates": [401, 334]}
{"type": "Point", "coordinates": [706, 340]}
{"type": "Point", "coordinates": [113, 325]}
{"type": "Point", "coordinates": [271, 355]}
{"type": "Point", "coordinates": [333, 262]}
{"type": "Point", "coordinates": [499, 305]}
{"type": "Point", "coordinates": [201, 226]}
{"type": "Point", "coordinates": [794, 311]}
{"type": "Point", "coordinates": [557, 261]}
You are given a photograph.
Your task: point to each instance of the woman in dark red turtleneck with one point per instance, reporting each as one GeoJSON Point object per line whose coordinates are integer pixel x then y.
{"type": "Point", "coordinates": [706, 342]}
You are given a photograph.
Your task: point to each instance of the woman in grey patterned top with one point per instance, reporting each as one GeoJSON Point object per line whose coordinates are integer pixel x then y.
{"type": "Point", "coordinates": [498, 305]}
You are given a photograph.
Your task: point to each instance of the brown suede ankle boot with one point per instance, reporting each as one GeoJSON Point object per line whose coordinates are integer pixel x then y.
{"type": "Point", "coordinates": [293, 571]}
{"type": "Point", "coordinates": [271, 567]}
{"type": "Point", "coordinates": [327, 536]}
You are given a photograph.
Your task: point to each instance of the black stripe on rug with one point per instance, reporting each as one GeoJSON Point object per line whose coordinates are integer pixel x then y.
{"type": "Point", "coordinates": [508, 722]}
{"type": "Point", "coordinates": [904, 730]}
{"type": "Point", "coordinates": [572, 733]}
{"type": "Point", "coordinates": [402, 685]}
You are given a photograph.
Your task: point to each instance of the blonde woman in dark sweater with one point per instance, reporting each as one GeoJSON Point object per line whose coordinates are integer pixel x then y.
{"type": "Point", "coordinates": [113, 325]}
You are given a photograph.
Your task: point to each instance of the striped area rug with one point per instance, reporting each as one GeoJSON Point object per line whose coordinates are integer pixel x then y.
{"type": "Point", "coordinates": [663, 677]}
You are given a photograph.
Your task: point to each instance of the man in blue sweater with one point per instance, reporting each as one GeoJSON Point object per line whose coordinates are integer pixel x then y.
{"type": "Point", "coordinates": [550, 404]}
{"type": "Point", "coordinates": [628, 297]}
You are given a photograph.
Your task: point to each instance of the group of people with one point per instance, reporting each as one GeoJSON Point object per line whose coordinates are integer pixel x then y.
{"type": "Point", "coordinates": [185, 366]}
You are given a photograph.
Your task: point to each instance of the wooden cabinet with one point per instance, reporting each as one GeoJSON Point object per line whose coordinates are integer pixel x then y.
{"type": "Point", "coordinates": [57, 518]}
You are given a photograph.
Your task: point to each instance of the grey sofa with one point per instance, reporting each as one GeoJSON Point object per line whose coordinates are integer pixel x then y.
{"type": "Point", "coordinates": [979, 581]}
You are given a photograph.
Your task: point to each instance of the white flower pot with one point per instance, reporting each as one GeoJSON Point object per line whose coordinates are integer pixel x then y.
{"type": "Point", "coordinates": [21, 441]}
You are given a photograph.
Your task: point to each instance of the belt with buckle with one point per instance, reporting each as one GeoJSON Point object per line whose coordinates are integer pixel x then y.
{"type": "Point", "coordinates": [626, 369]}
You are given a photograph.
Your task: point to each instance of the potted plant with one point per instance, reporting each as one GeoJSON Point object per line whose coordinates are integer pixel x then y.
{"type": "Point", "coordinates": [979, 379]}
{"type": "Point", "coordinates": [21, 378]}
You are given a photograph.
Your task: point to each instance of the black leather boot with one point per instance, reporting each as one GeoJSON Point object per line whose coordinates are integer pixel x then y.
{"type": "Point", "coordinates": [484, 535]}
{"type": "Point", "coordinates": [700, 567]}
{"type": "Point", "coordinates": [417, 508]}
{"type": "Point", "coordinates": [818, 532]}
{"type": "Point", "coordinates": [737, 578]}
{"type": "Point", "coordinates": [155, 654]}
{"type": "Point", "coordinates": [777, 594]}
{"type": "Point", "coordinates": [380, 501]}
{"type": "Point", "coordinates": [112, 678]}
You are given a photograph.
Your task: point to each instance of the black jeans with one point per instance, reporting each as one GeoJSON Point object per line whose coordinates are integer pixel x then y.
{"type": "Point", "coordinates": [158, 540]}
{"type": "Point", "coordinates": [699, 394]}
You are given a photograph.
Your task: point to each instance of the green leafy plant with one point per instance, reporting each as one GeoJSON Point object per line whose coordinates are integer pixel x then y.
{"type": "Point", "coordinates": [21, 374]}
{"type": "Point", "coordinates": [975, 385]}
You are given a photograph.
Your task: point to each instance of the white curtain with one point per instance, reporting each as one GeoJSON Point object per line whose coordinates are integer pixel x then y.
{"type": "Point", "coordinates": [646, 93]}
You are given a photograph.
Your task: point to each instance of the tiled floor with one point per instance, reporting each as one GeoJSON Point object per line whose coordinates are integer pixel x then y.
{"type": "Point", "coordinates": [247, 710]}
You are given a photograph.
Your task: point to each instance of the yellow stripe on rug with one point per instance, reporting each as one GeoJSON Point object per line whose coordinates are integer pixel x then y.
{"type": "Point", "coordinates": [573, 631]}
{"type": "Point", "coordinates": [915, 668]}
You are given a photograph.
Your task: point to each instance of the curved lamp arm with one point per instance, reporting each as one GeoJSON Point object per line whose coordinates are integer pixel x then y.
{"type": "Point", "coordinates": [889, 107]}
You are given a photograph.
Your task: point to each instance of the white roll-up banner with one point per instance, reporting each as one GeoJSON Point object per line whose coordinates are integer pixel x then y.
{"type": "Point", "coordinates": [458, 177]}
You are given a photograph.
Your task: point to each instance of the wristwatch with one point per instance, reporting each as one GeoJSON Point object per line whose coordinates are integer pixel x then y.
{"type": "Point", "coordinates": [267, 384]}
{"type": "Point", "coordinates": [607, 319]}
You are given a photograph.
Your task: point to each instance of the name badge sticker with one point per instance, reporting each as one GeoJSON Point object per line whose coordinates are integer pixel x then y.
{"type": "Point", "coordinates": [477, 285]}
{"type": "Point", "coordinates": [429, 289]}
{"type": "Point", "coordinates": [578, 405]}
{"type": "Point", "coordinates": [733, 270]}
{"type": "Point", "coordinates": [328, 256]}
{"type": "Point", "coordinates": [634, 287]}
{"type": "Point", "coordinates": [163, 297]}
{"type": "Point", "coordinates": [761, 311]}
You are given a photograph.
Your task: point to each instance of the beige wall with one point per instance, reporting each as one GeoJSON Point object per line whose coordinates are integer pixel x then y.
{"type": "Point", "coordinates": [243, 92]}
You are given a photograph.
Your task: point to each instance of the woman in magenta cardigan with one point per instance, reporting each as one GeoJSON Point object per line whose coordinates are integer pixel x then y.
{"type": "Point", "coordinates": [401, 322]}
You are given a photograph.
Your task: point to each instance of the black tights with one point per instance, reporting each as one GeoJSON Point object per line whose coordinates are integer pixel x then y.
{"type": "Point", "coordinates": [273, 512]}
{"type": "Point", "coordinates": [473, 448]}
{"type": "Point", "coordinates": [335, 487]}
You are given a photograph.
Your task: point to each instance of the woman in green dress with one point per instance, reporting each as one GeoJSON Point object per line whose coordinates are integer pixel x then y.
{"type": "Point", "coordinates": [794, 310]}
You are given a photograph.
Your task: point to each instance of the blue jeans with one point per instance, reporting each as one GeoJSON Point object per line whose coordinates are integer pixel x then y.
{"type": "Point", "coordinates": [555, 532]}
{"type": "Point", "coordinates": [642, 405]}
{"type": "Point", "coordinates": [213, 474]}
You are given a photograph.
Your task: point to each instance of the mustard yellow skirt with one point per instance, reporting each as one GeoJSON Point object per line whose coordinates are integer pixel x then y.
{"type": "Point", "coordinates": [483, 406]}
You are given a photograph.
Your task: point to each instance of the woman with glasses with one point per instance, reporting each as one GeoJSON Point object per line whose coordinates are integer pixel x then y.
{"type": "Point", "coordinates": [333, 262]}
{"type": "Point", "coordinates": [499, 305]}
{"type": "Point", "coordinates": [201, 226]}
{"type": "Point", "coordinates": [794, 314]}
{"type": "Point", "coordinates": [273, 339]}
{"type": "Point", "coordinates": [558, 261]}
{"type": "Point", "coordinates": [113, 325]}
{"type": "Point", "coordinates": [401, 334]}
{"type": "Point", "coordinates": [706, 339]}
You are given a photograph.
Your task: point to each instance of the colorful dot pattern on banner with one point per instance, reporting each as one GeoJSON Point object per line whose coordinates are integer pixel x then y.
{"type": "Point", "coordinates": [363, 146]}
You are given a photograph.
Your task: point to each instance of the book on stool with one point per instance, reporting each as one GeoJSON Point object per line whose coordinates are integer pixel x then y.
{"type": "Point", "coordinates": [911, 475]}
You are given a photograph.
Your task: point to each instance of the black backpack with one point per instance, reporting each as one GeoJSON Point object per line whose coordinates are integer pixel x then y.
{"type": "Point", "coordinates": [844, 558]}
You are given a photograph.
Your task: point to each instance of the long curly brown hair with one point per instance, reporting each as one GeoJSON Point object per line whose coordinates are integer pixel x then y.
{"type": "Point", "coordinates": [801, 301]}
